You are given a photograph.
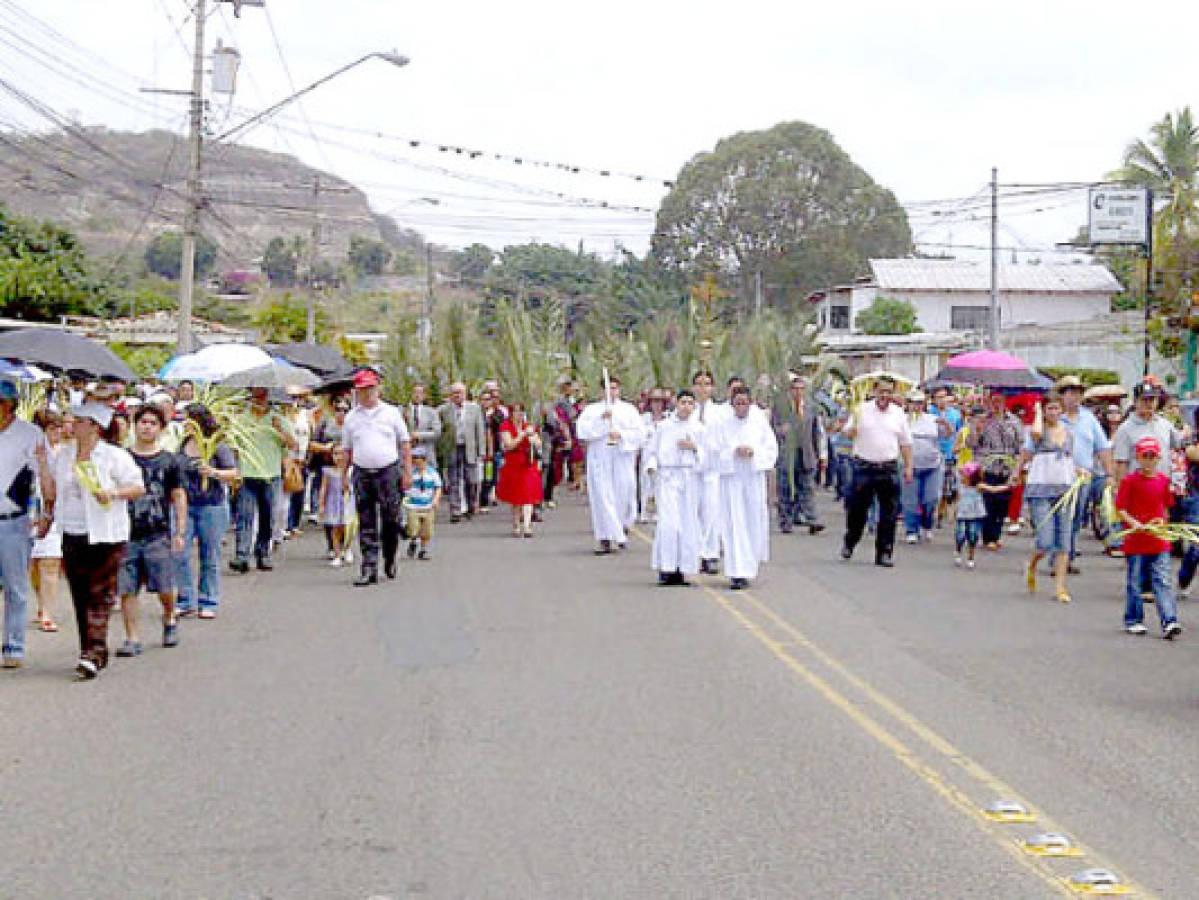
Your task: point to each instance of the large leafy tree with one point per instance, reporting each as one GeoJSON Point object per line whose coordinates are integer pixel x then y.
{"type": "Point", "coordinates": [537, 274]}
{"type": "Point", "coordinates": [164, 255]}
{"type": "Point", "coordinates": [368, 257]}
{"type": "Point", "coordinates": [281, 261]}
{"type": "Point", "coordinates": [784, 210]}
{"type": "Point", "coordinates": [44, 273]}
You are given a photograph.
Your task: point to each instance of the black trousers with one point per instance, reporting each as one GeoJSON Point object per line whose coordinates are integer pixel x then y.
{"type": "Point", "coordinates": [996, 504]}
{"type": "Point", "coordinates": [873, 481]}
{"type": "Point", "coordinates": [377, 493]}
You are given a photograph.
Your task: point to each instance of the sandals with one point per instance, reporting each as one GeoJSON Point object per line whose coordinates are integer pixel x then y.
{"type": "Point", "coordinates": [1062, 597]}
{"type": "Point", "coordinates": [47, 624]}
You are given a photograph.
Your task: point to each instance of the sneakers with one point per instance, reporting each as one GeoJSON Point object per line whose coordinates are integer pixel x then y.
{"type": "Point", "coordinates": [332, 555]}
{"type": "Point", "coordinates": [85, 669]}
{"type": "Point", "coordinates": [1136, 628]}
{"type": "Point", "coordinates": [1172, 631]}
{"type": "Point", "coordinates": [241, 566]}
{"type": "Point", "coordinates": [411, 549]}
{"type": "Point", "coordinates": [969, 564]}
{"type": "Point", "coordinates": [912, 538]}
{"type": "Point", "coordinates": [130, 649]}
{"type": "Point", "coordinates": [11, 662]}
{"type": "Point", "coordinates": [957, 561]}
{"type": "Point", "coordinates": [348, 556]}
{"type": "Point", "coordinates": [335, 562]}
{"type": "Point", "coordinates": [425, 553]}
{"type": "Point", "coordinates": [170, 635]}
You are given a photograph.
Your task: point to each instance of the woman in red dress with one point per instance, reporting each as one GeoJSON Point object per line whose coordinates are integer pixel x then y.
{"type": "Point", "coordinates": [520, 477]}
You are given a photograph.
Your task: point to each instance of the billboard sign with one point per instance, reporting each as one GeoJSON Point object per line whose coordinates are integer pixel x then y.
{"type": "Point", "coordinates": [1119, 215]}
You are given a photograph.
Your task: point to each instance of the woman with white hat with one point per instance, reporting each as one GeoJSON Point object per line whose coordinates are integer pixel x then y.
{"type": "Point", "coordinates": [87, 494]}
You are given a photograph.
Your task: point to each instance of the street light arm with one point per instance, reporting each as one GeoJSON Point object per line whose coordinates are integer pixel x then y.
{"type": "Point", "coordinates": [394, 58]}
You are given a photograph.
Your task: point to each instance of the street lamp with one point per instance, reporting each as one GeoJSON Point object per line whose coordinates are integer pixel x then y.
{"type": "Point", "coordinates": [191, 225]}
{"type": "Point", "coordinates": [396, 59]}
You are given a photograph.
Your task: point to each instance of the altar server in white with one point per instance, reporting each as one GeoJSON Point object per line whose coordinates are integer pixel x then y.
{"type": "Point", "coordinates": [676, 454]}
{"type": "Point", "coordinates": [747, 449]}
{"type": "Point", "coordinates": [612, 432]}
{"type": "Point", "coordinates": [709, 413]}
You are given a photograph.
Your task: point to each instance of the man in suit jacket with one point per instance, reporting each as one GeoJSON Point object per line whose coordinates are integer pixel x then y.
{"type": "Point", "coordinates": [424, 424]}
{"type": "Point", "coordinates": [460, 450]}
{"type": "Point", "coordinates": [801, 450]}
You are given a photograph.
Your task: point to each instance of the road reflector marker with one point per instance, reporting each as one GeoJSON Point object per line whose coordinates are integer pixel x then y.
{"type": "Point", "coordinates": [1009, 811]}
{"type": "Point", "coordinates": [1050, 843]}
{"type": "Point", "coordinates": [1101, 882]}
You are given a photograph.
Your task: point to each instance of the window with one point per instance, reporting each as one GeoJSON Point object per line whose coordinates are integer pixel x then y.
{"type": "Point", "coordinates": [838, 317]}
{"type": "Point", "coordinates": [969, 318]}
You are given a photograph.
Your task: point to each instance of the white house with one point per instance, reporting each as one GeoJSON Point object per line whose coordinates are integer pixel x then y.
{"type": "Point", "coordinates": [955, 295]}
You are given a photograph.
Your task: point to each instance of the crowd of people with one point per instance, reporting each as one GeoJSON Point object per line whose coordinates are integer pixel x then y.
{"type": "Point", "coordinates": [122, 488]}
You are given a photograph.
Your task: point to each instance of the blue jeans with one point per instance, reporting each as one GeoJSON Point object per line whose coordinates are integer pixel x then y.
{"type": "Point", "coordinates": [920, 496]}
{"type": "Point", "coordinates": [1190, 561]}
{"type": "Point", "coordinates": [256, 495]}
{"type": "Point", "coordinates": [1053, 532]}
{"type": "Point", "coordinates": [967, 533]}
{"type": "Point", "coordinates": [16, 547]}
{"type": "Point", "coordinates": [1157, 567]}
{"type": "Point", "coordinates": [205, 524]}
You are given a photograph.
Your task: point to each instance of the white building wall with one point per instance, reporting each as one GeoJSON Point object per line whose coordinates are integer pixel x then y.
{"type": "Point", "coordinates": [934, 308]}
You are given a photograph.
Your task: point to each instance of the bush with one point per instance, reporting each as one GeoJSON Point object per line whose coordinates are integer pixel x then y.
{"type": "Point", "coordinates": [1089, 377]}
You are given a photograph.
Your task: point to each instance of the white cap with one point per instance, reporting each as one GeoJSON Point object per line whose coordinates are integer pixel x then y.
{"type": "Point", "coordinates": [97, 412]}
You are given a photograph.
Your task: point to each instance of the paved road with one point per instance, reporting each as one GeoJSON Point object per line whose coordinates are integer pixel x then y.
{"type": "Point", "coordinates": [522, 719]}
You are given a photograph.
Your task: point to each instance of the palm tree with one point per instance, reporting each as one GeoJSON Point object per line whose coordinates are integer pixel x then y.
{"type": "Point", "coordinates": [1168, 164]}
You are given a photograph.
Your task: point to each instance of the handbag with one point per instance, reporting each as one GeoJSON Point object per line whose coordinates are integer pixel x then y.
{"type": "Point", "coordinates": [293, 476]}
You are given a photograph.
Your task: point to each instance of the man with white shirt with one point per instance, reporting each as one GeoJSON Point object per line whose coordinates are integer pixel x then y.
{"type": "Point", "coordinates": [709, 414]}
{"type": "Point", "coordinates": [612, 432]}
{"type": "Point", "coordinates": [377, 441]}
{"type": "Point", "coordinates": [881, 437]}
{"type": "Point", "coordinates": [675, 457]}
{"type": "Point", "coordinates": [19, 441]}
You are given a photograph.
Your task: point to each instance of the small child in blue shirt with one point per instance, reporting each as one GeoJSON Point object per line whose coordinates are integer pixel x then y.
{"type": "Point", "coordinates": [420, 504]}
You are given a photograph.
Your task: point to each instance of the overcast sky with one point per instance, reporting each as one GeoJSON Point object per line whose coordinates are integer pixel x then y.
{"type": "Point", "coordinates": [926, 97]}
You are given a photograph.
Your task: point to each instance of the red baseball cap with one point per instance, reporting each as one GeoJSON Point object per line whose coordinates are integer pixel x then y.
{"type": "Point", "coordinates": [366, 378]}
{"type": "Point", "coordinates": [1148, 446]}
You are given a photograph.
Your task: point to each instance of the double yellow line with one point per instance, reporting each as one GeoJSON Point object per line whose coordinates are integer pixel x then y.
{"type": "Point", "coordinates": [995, 788]}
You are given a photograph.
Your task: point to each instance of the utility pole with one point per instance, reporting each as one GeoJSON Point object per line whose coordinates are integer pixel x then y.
{"type": "Point", "coordinates": [993, 319]}
{"type": "Point", "coordinates": [315, 242]}
{"type": "Point", "coordinates": [426, 321]}
{"type": "Point", "coordinates": [191, 224]}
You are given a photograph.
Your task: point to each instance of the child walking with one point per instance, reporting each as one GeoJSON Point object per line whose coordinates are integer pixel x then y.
{"type": "Point", "coordinates": [970, 513]}
{"type": "Point", "coordinates": [1144, 498]}
{"type": "Point", "coordinates": [420, 504]}
{"type": "Point", "coordinates": [333, 503]}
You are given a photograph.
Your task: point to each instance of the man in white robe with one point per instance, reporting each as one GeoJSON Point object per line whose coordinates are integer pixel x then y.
{"type": "Point", "coordinates": [676, 454]}
{"type": "Point", "coordinates": [657, 413]}
{"type": "Point", "coordinates": [709, 413]}
{"type": "Point", "coordinates": [612, 433]}
{"type": "Point", "coordinates": [747, 449]}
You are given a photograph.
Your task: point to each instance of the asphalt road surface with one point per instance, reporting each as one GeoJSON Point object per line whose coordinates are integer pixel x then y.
{"type": "Point", "coordinates": [519, 718]}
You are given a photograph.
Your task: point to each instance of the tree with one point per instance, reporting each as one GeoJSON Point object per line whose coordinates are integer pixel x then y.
{"type": "Point", "coordinates": [164, 255]}
{"type": "Point", "coordinates": [887, 315]}
{"type": "Point", "coordinates": [284, 319]}
{"type": "Point", "coordinates": [44, 273]}
{"type": "Point", "coordinates": [471, 263]}
{"type": "Point", "coordinates": [535, 274]}
{"type": "Point", "coordinates": [281, 261]}
{"type": "Point", "coordinates": [368, 257]}
{"type": "Point", "coordinates": [1168, 164]}
{"type": "Point", "coordinates": [785, 210]}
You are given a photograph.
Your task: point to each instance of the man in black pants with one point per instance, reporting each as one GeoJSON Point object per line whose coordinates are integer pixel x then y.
{"type": "Point", "coordinates": [881, 436]}
{"type": "Point", "coordinates": [377, 439]}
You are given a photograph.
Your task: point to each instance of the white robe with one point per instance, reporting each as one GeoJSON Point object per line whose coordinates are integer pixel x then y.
{"type": "Point", "coordinates": [710, 415]}
{"type": "Point", "coordinates": [679, 482]}
{"type": "Point", "coordinates": [611, 472]}
{"type": "Point", "coordinates": [745, 515]}
{"type": "Point", "coordinates": [647, 479]}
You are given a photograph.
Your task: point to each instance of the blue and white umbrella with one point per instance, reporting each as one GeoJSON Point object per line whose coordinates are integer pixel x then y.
{"type": "Point", "coordinates": [214, 363]}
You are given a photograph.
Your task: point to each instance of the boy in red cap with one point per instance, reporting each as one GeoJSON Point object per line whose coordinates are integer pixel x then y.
{"type": "Point", "coordinates": [1144, 498]}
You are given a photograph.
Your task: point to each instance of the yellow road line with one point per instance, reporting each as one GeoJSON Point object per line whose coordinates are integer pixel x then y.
{"type": "Point", "coordinates": [911, 760]}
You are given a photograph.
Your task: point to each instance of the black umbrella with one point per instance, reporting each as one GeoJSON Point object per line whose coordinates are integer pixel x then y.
{"type": "Point", "coordinates": [320, 358]}
{"type": "Point", "coordinates": [63, 351]}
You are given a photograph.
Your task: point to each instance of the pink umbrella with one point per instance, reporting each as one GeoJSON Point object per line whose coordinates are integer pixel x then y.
{"type": "Point", "coordinates": [993, 369]}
